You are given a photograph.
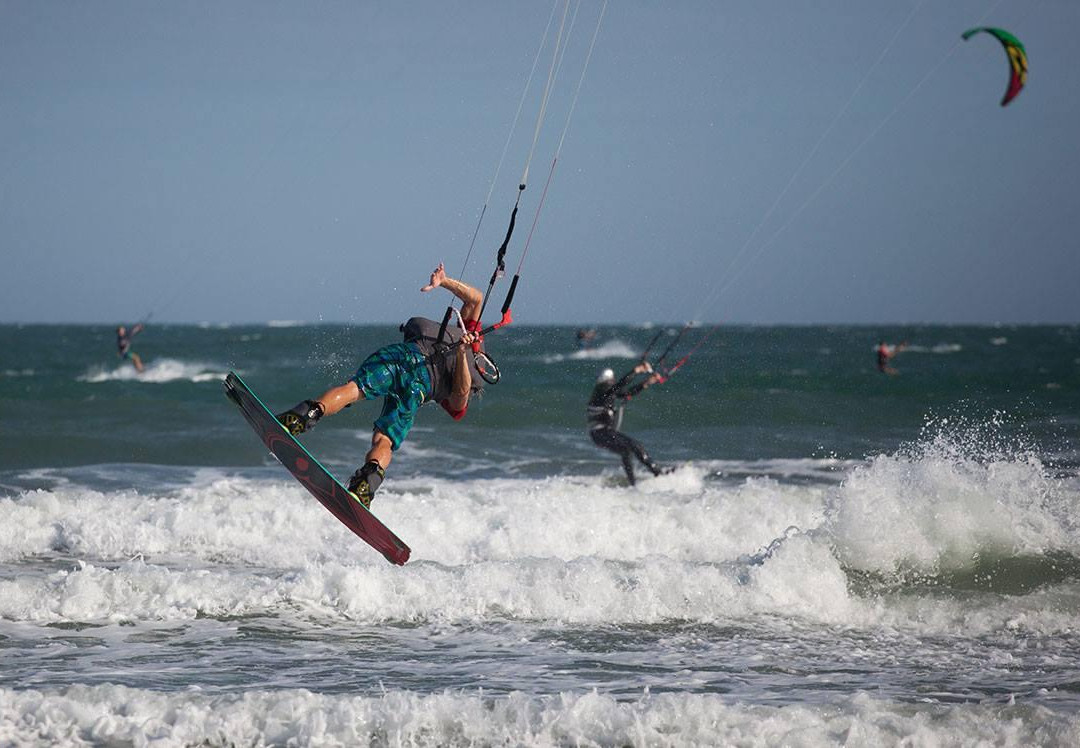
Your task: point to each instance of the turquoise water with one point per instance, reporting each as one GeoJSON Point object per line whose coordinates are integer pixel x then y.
{"type": "Point", "coordinates": [839, 555]}
{"type": "Point", "coordinates": [750, 393]}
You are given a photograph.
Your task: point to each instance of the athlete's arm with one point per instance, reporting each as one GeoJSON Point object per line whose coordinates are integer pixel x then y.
{"type": "Point", "coordinates": [458, 402]}
{"type": "Point", "coordinates": [470, 297]}
{"type": "Point", "coordinates": [622, 389]}
{"type": "Point", "coordinates": [643, 385]}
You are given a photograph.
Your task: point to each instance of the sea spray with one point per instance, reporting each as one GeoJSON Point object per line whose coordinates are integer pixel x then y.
{"type": "Point", "coordinates": [962, 492]}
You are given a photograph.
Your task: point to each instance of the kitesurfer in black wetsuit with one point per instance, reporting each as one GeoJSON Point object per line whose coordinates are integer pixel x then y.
{"type": "Point", "coordinates": [123, 345]}
{"type": "Point", "coordinates": [418, 370]}
{"type": "Point", "coordinates": [604, 414]}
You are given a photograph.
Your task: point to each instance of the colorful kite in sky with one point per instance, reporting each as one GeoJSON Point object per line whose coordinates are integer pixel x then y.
{"type": "Point", "coordinates": [1017, 58]}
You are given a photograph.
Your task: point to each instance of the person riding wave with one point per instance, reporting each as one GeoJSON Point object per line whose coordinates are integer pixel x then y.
{"type": "Point", "coordinates": [885, 354]}
{"type": "Point", "coordinates": [123, 345]}
{"type": "Point", "coordinates": [604, 416]}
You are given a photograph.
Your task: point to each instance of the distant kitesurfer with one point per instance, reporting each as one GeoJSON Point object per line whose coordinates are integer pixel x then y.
{"type": "Point", "coordinates": [585, 337]}
{"type": "Point", "coordinates": [885, 352]}
{"type": "Point", "coordinates": [419, 370]}
{"type": "Point", "coordinates": [604, 414]}
{"type": "Point", "coordinates": [123, 345]}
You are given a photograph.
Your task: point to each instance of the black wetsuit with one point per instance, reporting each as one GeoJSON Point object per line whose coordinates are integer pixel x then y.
{"type": "Point", "coordinates": [604, 413]}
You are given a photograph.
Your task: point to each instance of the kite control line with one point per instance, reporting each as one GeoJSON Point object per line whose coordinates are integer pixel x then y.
{"type": "Point", "coordinates": [671, 345]}
{"type": "Point", "coordinates": [682, 361]}
{"type": "Point", "coordinates": [560, 47]}
{"type": "Point", "coordinates": [645, 353]}
{"type": "Point", "coordinates": [500, 257]}
{"type": "Point", "coordinates": [485, 365]}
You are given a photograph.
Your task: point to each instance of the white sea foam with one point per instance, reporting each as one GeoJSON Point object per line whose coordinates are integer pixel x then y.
{"type": "Point", "coordinates": [158, 371]}
{"type": "Point", "coordinates": [940, 509]}
{"type": "Point", "coordinates": [939, 348]}
{"type": "Point", "coordinates": [607, 349]}
{"type": "Point", "coordinates": [113, 715]}
{"type": "Point", "coordinates": [572, 549]}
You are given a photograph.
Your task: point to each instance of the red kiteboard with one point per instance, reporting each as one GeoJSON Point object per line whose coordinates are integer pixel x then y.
{"type": "Point", "coordinates": [314, 477]}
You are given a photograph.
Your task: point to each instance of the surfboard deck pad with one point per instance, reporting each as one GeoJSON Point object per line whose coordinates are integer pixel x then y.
{"type": "Point", "coordinates": [319, 482]}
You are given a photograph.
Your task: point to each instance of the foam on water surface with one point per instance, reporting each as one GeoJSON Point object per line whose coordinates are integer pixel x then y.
{"type": "Point", "coordinates": [82, 715]}
{"type": "Point", "coordinates": [608, 349]}
{"type": "Point", "coordinates": [682, 547]}
{"type": "Point", "coordinates": [158, 371]}
{"type": "Point", "coordinates": [867, 594]}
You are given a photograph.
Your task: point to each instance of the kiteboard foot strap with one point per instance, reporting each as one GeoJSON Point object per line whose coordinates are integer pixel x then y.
{"type": "Point", "coordinates": [366, 481]}
{"type": "Point", "coordinates": [301, 417]}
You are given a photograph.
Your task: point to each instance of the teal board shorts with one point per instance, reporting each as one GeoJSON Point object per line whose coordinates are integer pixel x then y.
{"type": "Point", "coordinates": [399, 373]}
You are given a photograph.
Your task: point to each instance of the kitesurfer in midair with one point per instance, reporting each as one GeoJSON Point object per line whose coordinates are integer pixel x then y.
{"type": "Point", "coordinates": [123, 345]}
{"type": "Point", "coordinates": [604, 414]}
{"type": "Point", "coordinates": [418, 370]}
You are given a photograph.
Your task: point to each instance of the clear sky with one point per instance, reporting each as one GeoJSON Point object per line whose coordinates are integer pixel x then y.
{"type": "Point", "coordinates": [765, 161]}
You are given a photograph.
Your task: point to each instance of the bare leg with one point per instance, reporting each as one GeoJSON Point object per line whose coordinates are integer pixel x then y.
{"type": "Point", "coordinates": [336, 398]}
{"type": "Point", "coordinates": [137, 361]}
{"type": "Point", "coordinates": [381, 450]}
{"type": "Point", "coordinates": [303, 416]}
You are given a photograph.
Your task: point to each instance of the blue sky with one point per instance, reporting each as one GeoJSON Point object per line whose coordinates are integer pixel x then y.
{"type": "Point", "coordinates": [749, 161]}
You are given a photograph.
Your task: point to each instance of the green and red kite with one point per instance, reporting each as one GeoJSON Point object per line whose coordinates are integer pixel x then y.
{"type": "Point", "coordinates": [1017, 58]}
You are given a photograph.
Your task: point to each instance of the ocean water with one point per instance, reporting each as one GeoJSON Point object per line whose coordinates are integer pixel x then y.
{"type": "Point", "coordinates": [838, 557]}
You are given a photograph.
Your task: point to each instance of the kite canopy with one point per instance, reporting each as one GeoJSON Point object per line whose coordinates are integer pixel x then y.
{"type": "Point", "coordinates": [1018, 64]}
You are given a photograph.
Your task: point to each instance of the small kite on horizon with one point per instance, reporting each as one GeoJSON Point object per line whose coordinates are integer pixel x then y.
{"type": "Point", "coordinates": [1018, 63]}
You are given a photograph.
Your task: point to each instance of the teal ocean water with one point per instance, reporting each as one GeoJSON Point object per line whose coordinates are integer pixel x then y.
{"type": "Point", "coordinates": [839, 556]}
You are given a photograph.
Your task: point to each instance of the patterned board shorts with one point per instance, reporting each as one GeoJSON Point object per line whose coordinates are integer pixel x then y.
{"type": "Point", "coordinates": [399, 373]}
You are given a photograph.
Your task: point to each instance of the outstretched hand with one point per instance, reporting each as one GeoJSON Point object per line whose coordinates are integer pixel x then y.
{"type": "Point", "coordinates": [438, 275]}
{"type": "Point", "coordinates": [643, 368]}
